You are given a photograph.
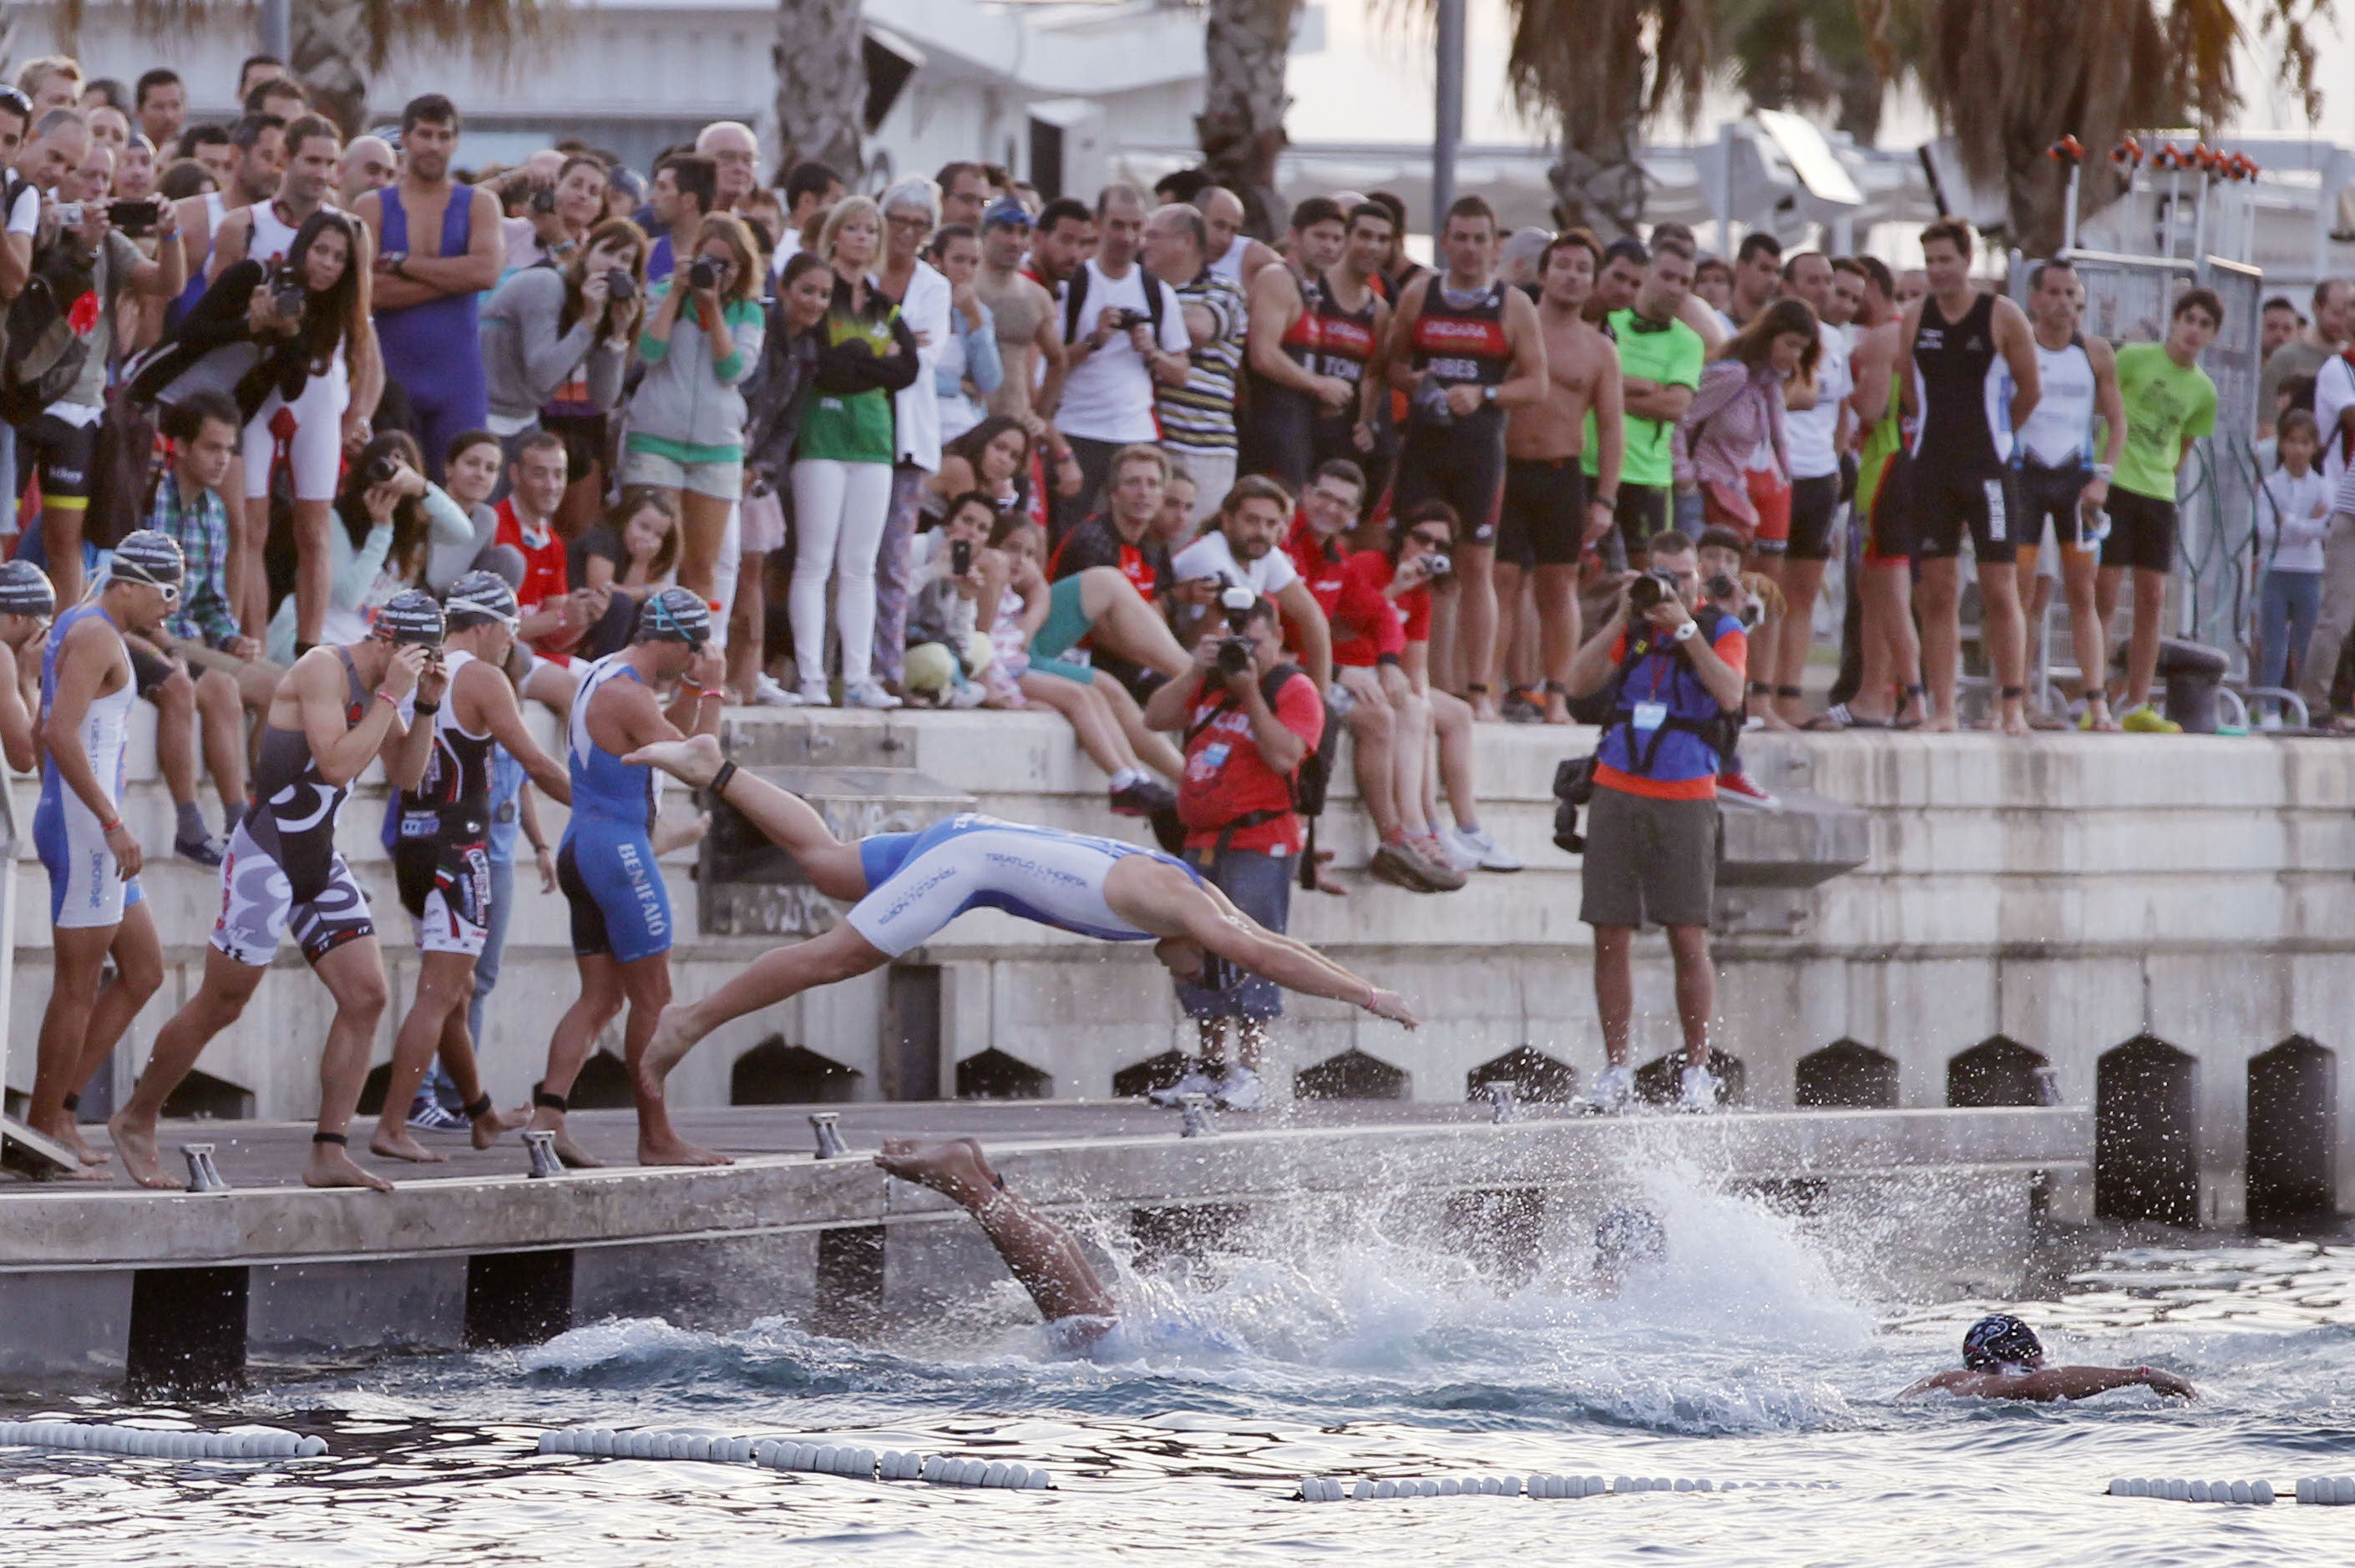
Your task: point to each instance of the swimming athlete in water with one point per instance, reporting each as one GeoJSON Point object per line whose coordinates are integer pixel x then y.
{"type": "Point", "coordinates": [2002, 1358]}
{"type": "Point", "coordinates": [906, 886]}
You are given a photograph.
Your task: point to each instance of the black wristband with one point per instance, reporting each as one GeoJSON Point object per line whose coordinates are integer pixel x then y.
{"type": "Point", "coordinates": [1389, 658]}
{"type": "Point", "coordinates": [425, 710]}
{"type": "Point", "coordinates": [546, 1101]}
{"type": "Point", "coordinates": [719, 780]}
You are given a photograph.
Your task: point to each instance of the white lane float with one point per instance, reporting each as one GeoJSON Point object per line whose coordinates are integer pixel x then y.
{"type": "Point", "coordinates": [2175, 1490]}
{"type": "Point", "coordinates": [793, 1455]}
{"type": "Point", "coordinates": [156, 1443]}
{"type": "Point", "coordinates": [1543, 1488]}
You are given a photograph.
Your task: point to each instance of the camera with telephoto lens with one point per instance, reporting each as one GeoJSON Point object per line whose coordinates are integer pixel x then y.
{"type": "Point", "coordinates": [704, 274]}
{"type": "Point", "coordinates": [381, 468]}
{"type": "Point", "coordinates": [1235, 647]}
{"type": "Point", "coordinates": [1649, 591]}
{"type": "Point", "coordinates": [621, 283]}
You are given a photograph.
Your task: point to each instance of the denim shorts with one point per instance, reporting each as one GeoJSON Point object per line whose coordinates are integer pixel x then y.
{"type": "Point", "coordinates": [1260, 884]}
{"type": "Point", "coordinates": [721, 480]}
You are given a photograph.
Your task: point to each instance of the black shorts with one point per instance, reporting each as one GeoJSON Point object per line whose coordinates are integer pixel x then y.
{"type": "Point", "coordinates": [1276, 434]}
{"type": "Point", "coordinates": [65, 453]}
{"type": "Point", "coordinates": [1945, 505]}
{"type": "Point", "coordinates": [149, 671]}
{"type": "Point", "coordinates": [2142, 532]}
{"type": "Point", "coordinates": [2053, 493]}
{"type": "Point", "coordinates": [1461, 464]}
{"type": "Point", "coordinates": [1637, 512]}
{"type": "Point", "coordinates": [1543, 522]}
{"type": "Point", "coordinates": [445, 885]}
{"type": "Point", "coordinates": [1889, 526]}
{"type": "Point", "coordinates": [1815, 506]}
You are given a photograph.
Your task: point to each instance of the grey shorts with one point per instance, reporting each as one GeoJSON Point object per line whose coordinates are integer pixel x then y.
{"type": "Point", "coordinates": [1649, 861]}
{"type": "Point", "coordinates": [1260, 884]}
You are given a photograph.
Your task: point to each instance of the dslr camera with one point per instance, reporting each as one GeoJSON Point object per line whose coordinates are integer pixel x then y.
{"type": "Point", "coordinates": [622, 284]}
{"type": "Point", "coordinates": [1649, 591]}
{"type": "Point", "coordinates": [543, 200]}
{"type": "Point", "coordinates": [1236, 604]}
{"type": "Point", "coordinates": [704, 274]}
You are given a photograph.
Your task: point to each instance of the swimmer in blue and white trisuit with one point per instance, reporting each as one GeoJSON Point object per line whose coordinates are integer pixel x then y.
{"type": "Point", "coordinates": [906, 886]}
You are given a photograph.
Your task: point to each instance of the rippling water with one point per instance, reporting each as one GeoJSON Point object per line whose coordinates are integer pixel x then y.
{"type": "Point", "coordinates": [1755, 1350]}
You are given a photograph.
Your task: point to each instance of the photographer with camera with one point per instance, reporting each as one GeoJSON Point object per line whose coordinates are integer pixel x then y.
{"type": "Point", "coordinates": [1673, 667]}
{"type": "Point", "coordinates": [1124, 336]}
{"type": "Point", "coordinates": [389, 518]}
{"type": "Point", "coordinates": [1251, 723]}
{"type": "Point", "coordinates": [556, 339]}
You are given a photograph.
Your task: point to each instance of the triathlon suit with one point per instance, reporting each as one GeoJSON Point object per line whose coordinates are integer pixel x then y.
{"type": "Point", "coordinates": [433, 349]}
{"type": "Point", "coordinates": [198, 278]}
{"type": "Point", "coordinates": [607, 868]}
{"type": "Point", "coordinates": [1959, 477]}
{"type": "Point", "coordinates": [84, 889]}
{"type": "Point", "coordinates": [1457, 341]}
{"type": "Point", "coordinates": [2055, 449]}
{"type": "Point", "coordinates": [1881, 472]}
{"type": "Point", "coordinates": [441, 855]}
{"type": "Point", "coordinates": [305, 437]}
{"type": "Point", "coordinates": [282, 871]}
{"type": "Point", "coordinates": [1292, 433]}
{"type": "Point", "coordinates": [918, 883]}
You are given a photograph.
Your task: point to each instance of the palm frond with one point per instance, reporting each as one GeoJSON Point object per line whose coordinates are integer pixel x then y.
{"type": "Point", "coordinates": [493, 27]}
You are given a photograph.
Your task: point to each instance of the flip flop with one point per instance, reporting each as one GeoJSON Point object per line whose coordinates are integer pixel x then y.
{"type": "Point", "coordinates": [1840, 717]}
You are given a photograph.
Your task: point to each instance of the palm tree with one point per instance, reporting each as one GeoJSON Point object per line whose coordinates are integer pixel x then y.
{"type": "Point", "coordinates": [1246, 45]}
{"type": "Point", "coordinates": [821, 61]}
{"type": "Point", "coordinates": [1804, 55]}
{"type": "Point", "coordinates": [2008, 78]}
{"type": "Point", "coordinates": [1600, 70]}
{"type": "Point", "coordinates": [334, 45]}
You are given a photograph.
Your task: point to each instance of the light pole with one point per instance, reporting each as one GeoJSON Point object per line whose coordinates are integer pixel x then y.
{"type": "Point", "coordinates": [277, 30]}
{"type": "Point", "coordinates": [1447, 129]}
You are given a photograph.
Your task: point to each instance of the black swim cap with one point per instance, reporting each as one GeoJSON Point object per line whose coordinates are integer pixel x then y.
{"type": "Point", "coordinates": [148, 557]}
{"type": "Point", "coordinates": [674, 615]}
{"type": "Point", "coordinates": [26, 589]}
{"type": "Point", "coordinates": [410, 616]}
{"type": "Point", "coordinates": [480, 597]}
{"type": "Point", "coordinates": [1629, 1233]}
{"type": "Point", "coordinates": [1998, 1340]}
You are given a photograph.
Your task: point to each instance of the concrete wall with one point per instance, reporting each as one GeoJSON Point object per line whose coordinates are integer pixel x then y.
{"type": "Point", "coordinates": [2069, 894]}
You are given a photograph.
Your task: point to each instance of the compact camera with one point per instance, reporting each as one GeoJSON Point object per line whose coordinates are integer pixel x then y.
{"type": "Point", "coordinates": [1235, 648]}
{"type": "Point", "coordinates": [704, 274]}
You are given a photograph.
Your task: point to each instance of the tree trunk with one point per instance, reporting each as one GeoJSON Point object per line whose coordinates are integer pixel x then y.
{"type": "Point", "coordinates": [1601, 188]}
{"type": "Point", "coordinates": [328, 43]}
{"type": "Point", "coordinates": [1246, 45]}
{"type": "Point", "coordinates": [821, 61]}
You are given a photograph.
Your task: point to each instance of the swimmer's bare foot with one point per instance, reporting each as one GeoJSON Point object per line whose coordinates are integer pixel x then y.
{"type": "Point", "coordinates": [675, 1035]}
{"type": "Point", "coordinates": [675, 1151]}
{"type": "Point", "coordinates": [1936, 724]}
{"type": "Point", "coordinates": [2014, 721]}
{"type": "Point", "coordinates": [136, 1143]}
{"type": "Point", "coordinates": [694, 761]}
{"type": "Point", "coordinates": [677, 833]}
{"type": "Point", "coordinates": [492, 1125]}
{"type": "Point", "coordinates": [398, 1145]}
{"type": "Point", "coordinates": [68, 1131]}
{"type": "Point", "coordinates": [331, 1166]}
{"type": "Point", "coordinates": [955, 1169]}
{"type": "Point", "coordinates": [575, 1158]}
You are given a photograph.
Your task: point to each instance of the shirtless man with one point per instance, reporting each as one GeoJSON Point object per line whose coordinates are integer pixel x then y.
{"type": "Point", "coordinates": [1233, 254]}
{"type": "Point", "coordinates": [2002, 1358]}
{"type": "Point", "coordinates": [1313, 348]}
{"type": "Point", "coordinates": [1027, 344]}
{"type": "Point", "coordinates": [905, 887]}
{"type": "Point", "coordinates": [337, 711]}
{"type": "Point", "coordinates": [1550, 518]}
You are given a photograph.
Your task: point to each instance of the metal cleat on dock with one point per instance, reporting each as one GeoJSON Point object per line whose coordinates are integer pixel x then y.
{"type": "Point", "coordinates": [829, 1140]}
{"type": "Point", "coordinates": [1500, 1101]}
{"type": "Point", "coordinates": [202, 1176]}
{"type": "Point", "coordinates": [540, 1145]}
{"type": "Point", "coordinates": [1196, 1112]}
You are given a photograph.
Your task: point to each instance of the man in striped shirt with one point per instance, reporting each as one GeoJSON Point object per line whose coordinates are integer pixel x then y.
{"type": "Point", "coordinates": [1197, 415]}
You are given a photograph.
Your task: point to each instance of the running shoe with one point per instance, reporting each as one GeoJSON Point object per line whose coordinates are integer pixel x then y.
{"type": "Point", "coordinates": [815, 694]}
{"type": "Point", "coordinates": [1399, 865]}
{"type": "Point", "coordinates": [1142, 799]}
{"type": "Point", "coordinates": [1194, 1082]}
{"type": "Point", "coordinates": [1614, 1090]}
{"type": "Point", "coordinates": [868, 694]}
{"type": "Point", "coordinates": [1698, 1090]}
{"type": "Point", "coordinates": [1738, 788]}
{"type": "Point", "coordinates": [1519, 707]}
{"type": "Point", "coordinates": [2148, 720]}
{"type": "Point", "coordinates": [1241, 1091]}
{"type": "Point", "coordinates": [1436, 869]}
{"type": "Point", "coordinates": [1485, 853]}
{"type": "Point", "coordinates": [426, 1115]}
{"type": "Point", "coordinates": [204, 849]}
{"type": "Point", "coordinates": [768, 692]}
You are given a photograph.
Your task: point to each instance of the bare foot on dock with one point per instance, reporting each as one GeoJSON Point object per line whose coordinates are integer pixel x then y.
{"type": "Point", "coordinates": [400, 1146]}
{"type": "Point", "coordinates": [67, 1130]}
{"type": "Point", "coordinates": [493, 1125]}
{"type": "Point", "coordinates": [141, 1162]}
{"type": "Point", "coordinates": [956, 1170]}
{"type": "Point", "coordinates": [678, 1152]}
{"type": "Point", "coordinates": [673, 1039]}
{"type": "Point", "coordinates": [575, 1158]}
{"type": "Point", "coordinates": [331, 1166]}
{"type": "Point", "coordinates": [694, 761]}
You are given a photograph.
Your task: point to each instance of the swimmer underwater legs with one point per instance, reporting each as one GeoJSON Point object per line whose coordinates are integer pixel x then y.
{"type": "Point", "coordinates": [1042, 1253]}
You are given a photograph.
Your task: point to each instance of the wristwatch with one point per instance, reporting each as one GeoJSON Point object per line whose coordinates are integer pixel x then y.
{"type": "Point", "coordinates": [1487, 394]}
{"type": "Point", "coordinates": [1685, 633]}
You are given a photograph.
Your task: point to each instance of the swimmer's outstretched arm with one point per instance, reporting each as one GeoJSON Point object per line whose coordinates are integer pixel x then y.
{"type": "Point", "coordinates": [784, 818]}
{"type": "Point", "coordinates": [2047, 1384]}
{"type": "Point", "coordinates": [1040, 1253]}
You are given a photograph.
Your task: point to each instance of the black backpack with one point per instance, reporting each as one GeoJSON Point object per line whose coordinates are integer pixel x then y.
{"type": "Point", "coordinates": [44, 355]}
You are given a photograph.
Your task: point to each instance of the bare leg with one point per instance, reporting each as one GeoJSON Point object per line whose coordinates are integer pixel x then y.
{"type": "Point", "coordinates": [746, 619]}
{"type": "Point", "coordinates": [227, 986]}
{"type": "Point", "coordinates": [1040, 1253]}
{"type": "Point", "coordinates": [1941, 595]}
{"type": "Point", "coordinates": [1696, 988]}
{"type": "Point", "coordinates": [553, 686]}
{"type": "Point", "coordinates": [784, 818]}
{"type": "Point", "coordinates": [703, 531]}
{"type": "Point", "coordinates": [1451, 722]}
{"type": "Point", "coordinates": [242, 578]}
{"type": "Point", "coordinates": [1875, 680]}
{"type": "Point", "coordinates": [1445, 668]}
{"type": "Point", "coordinates": [445, 983]}
{"type": "Point", "coordinates": [2086, 625]}
{"type": "Point", "coordinates": [1121, 620]}
{"type": "Point", "coordinates": [1495, 670]}
{"type": "Point", "coordinates": [777, 974]}
{"type": "Point", "coordinates": [2142, 647]}
{"type": "Point", "coordinates": [1557, 602]}
{"type": "Point", "coordinates": [576, 1035]}
{"type": "Point", "coordinates": [314, 574]}
{"type": "Point", "coordinates": [1477, 622]}
{"type": "Point", "coordinates": [222, 716]}
{"type": "Point", "coordinates": [1372, 733]}
{"type": "Point", "coordinates": [138, 975]}
{"type": "Point", "coordinates": [1090, 721]}
{"type": "Point", "coordinates": [2000, 630]}
{"type": "Point", "coordinates": [1410, 729]}
{"type": "Point", "coordinates": [646, 982]}
{"type": "Point", "coordinates": [1153, 749]}
{"type": "Point", "coordinates": [77, 956]}
{"type": "Point", "coordinates": [1615, 988]}
{"type": "Point", "coordinates": [1803, 581]}
{"type": "Point", "coordinates": [61, 538]}
{"type": "Point", "coordinates": [354, 976]}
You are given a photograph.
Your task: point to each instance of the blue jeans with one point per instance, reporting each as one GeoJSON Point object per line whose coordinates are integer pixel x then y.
{"type": "Point", "coordinates": [1691, 516]}
{"type": "Point", "coordinates": [1260, 884]}
{"type": "Point", "coordinates": [2288, 605]}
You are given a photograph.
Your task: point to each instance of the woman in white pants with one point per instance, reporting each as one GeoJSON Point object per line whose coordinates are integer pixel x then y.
{"type": "Point", "coordinates": [842, 472]}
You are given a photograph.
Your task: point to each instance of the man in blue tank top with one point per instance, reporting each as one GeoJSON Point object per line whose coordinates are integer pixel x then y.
{"type": "Point", "coordinates": [903, 888]}
{"type": "Point", "coordinates": [438, 248]}
{"type": "Point", "coordinates": [621, 922]}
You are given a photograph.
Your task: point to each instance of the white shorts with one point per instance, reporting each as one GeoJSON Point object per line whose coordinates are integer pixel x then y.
{"type": "Point", "coordinates": [314, 449]}
{"type": "Point", "coordinates": [446, 887]}
{"type": "Point", "coordinates": [86, 889]}
{"type": "Point", "coordinates": [258, 908]}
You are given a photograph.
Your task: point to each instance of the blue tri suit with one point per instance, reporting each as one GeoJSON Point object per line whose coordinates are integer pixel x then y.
{"type": "Point", "coordinates": [918, 883]}
{"type": "Point", "coordinates": [606, 864]}
{"type": "Point", "coordinates": [430, 349]}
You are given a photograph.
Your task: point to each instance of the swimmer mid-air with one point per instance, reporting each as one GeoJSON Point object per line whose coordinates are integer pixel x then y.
{"type": "Point", "coordinates": [2003, 1358]}
{"type": "Point", "coordinates": [904, 887]}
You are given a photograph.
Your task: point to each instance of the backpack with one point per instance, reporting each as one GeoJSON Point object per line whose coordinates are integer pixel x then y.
{"type": "Point", "coordinates": [125, 472]}
{"type": "Point", "coordinates": [44, 355]}
{"type": "Point", "coordinates": [1075, 298]}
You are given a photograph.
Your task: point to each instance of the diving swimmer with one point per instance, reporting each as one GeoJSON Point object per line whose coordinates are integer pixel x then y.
{"type": "Point", "coordinates": [1040, 1253]}
{"type": "Point", "coordinates": [906, 887]}
{"type": "Point", "coordinates": [2002, 1358]}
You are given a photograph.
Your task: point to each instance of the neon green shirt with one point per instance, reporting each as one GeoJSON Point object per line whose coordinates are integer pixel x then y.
{"type": "Point", "coordinates": [1673, 358]}
{"type": "Point", "coordinates": [2165, 403]}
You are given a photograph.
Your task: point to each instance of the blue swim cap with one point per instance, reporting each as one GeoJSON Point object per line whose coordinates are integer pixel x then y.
{"type": "Point", "coordinates": [2000, 1340]}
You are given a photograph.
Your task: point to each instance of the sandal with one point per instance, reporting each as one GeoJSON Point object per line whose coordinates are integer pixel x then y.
{"type": "Point", "coordinates": [1842, 717]}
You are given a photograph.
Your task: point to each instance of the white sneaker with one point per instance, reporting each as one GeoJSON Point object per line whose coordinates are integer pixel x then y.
{"type": "Point", "coordinates": [1241, 1091]}
{"type": "Point", "coordinates": [1614, 1088]}
{"type": "Point", "coordinates": [1699, 1090]}
{"type": "Point", "coordinates": [1194, 1082]}
{"type": "Point", "coordinates": [768, 693]}
{"type": "Point", "coordinates": [1485, 853]}
{"type": "Point", "coordinates": [815, 694]}
{"type": "Point", "coordinates": [868, 694]}
{"type": "Point", "coordinates": [967, 695]}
